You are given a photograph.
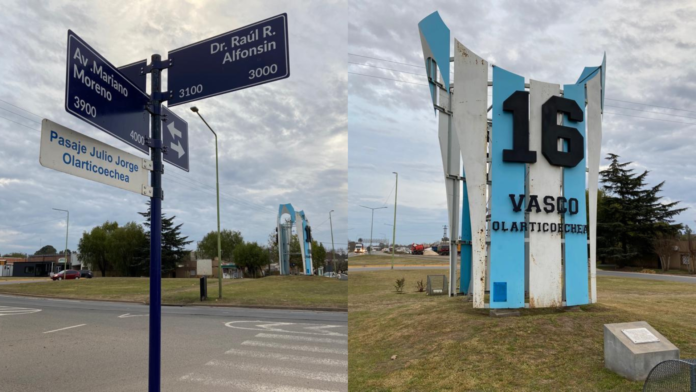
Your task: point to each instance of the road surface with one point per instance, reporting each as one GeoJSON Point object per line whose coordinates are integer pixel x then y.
{"type": "Point", "coordinates": [66, 345]}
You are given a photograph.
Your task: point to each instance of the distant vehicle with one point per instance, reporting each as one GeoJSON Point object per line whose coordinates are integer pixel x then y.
{"type": "Point", "coordinates": [417, 249]}
{"type": "Point", "coordinates": [85, 273]}
{"type": "Point", "coordinates": [329, 274]}
{"type": "Point", "coordinates": [67, 275]}
{"type": "Point", "coordinates": [359, 248]}
{"type": "Point", "coordinates": [443, 249]}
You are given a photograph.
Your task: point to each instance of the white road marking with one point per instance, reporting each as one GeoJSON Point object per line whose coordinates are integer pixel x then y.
{"type": "Point", "coordinates": [285, 372]}
{"type": "Point", "coordinates": [64, 300]}
{"type": "Point", "coordinates": [63, 329]}
{"type": "Point", "coordinates": [265, 326]}
{"type": "Point", "coordinates": [288, 357]}
{"type": "Point", "coordinates": [301, 338]}
{"type": "Point", "coordinates": [245, 385]}
{"type": "Point", "coordinates": [311, 349]}
{"type": "Point", "coordinates": [13, 311]}
{"type": "Point", "coordinates": [127, 315]}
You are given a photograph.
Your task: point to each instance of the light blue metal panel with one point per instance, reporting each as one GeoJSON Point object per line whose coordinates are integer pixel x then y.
{"type": "Point", "coordinates": [435, 40]}
{"type": "Point", "coordinates": [590, 72]}
{"type": "Point", "coordinates": [576, 273]}
{"type": "Point", "coordinates": [587, 74]}
{"type": "Point", "coordinates": [286, 209]}
{"type": "Point", "coordinates": [507, 247]}
{"type": "Point", "coordinates": [465, 261]}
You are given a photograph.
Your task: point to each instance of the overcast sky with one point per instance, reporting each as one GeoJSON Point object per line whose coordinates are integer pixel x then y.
{"type": "Point", "coordinates": [392, 127]}
{"type": "Point", "coordinates": [283, 142]}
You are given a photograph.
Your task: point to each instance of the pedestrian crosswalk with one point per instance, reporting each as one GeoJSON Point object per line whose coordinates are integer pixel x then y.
{"type": "Point", "coordinates": [282, 360]}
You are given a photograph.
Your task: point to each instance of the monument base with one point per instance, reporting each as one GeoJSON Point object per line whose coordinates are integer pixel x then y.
{"type": "Point", "coordinates": [505, 313]}
{"type": "Point", "coordinates": [633, 349]}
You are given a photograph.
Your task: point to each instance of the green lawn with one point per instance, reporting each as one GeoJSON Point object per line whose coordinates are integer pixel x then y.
{"type": "Point", "coordinates": [379, 259]}
{"type": "Point", "coordinates": [311, 292]}
{"type": "Point", "coordinates": [647, 270]}
{"type": "Point", "coordinates": [443, 344]}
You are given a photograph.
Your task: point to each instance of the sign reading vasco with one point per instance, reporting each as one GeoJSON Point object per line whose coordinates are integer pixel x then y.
{"type": "Point", "coordinates": [246, 57]}
{"type": "Point", "coordinates": [97, 92]}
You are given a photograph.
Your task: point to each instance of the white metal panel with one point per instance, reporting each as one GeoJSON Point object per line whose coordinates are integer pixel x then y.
{"type": "Point", "coordinates": [470, 113]}
{"type": "Point", "coordinates": [545, 269]}
{"type": "Point", "coordinates": [594, 146]}
{"type": "Point", "coordinates": [449, 149]}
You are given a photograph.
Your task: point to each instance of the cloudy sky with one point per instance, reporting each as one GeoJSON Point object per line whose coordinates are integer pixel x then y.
{"type": "Point", "coordinates": [650, 112]}
{"type": "Point", "coordinates": [283, 142]}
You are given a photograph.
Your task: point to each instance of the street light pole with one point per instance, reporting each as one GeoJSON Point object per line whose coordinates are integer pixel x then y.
{"type": "Point", "coordinates": [65, 253]}
{"type": "Point", "coordinates": [217, 188]}
{"type": "Point", "coordinates": [396, 190]}
{"type": "Point", "coordinates": [333, 250]}
{"type": "Point", "coordinates": [372, 223]}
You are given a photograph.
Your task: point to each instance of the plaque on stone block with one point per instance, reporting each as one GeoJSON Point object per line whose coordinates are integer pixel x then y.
{"type": "Point", "coordinates": [640, 335]}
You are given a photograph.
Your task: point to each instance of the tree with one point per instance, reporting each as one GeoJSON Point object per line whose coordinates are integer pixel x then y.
{"type": "Point", "coordinates": [15, 254]}
{"type": "Point", "coordinates": [664, 244]}
{"type": "Point", "coordinates": [295, 252]}
{"type": "Point", "coordinates": [93, 246]}
{"type": "Point", "coordinates": [208, 246]}
{"type": "Point", "coordinates": [173, 243]}
{"type": "Point", "coordinates": [318, 255]}
{"type": "Point", "coordinates": [46, 250]}
{"type": "Point", "coordinates": [631, 214]}
{"type": "Point", "coordinates": [128, 251]}
{"type": "Point", "coordinates": [251, 256]}
{"type": "Point", "coordinates": [692, 262]}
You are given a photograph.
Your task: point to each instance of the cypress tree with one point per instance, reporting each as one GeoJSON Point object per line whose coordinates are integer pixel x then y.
{"type": "Point", "coordinates": [173, 243]}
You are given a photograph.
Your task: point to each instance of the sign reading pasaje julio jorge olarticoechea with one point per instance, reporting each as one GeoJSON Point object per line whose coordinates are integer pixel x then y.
{"type": "Point", "coordinates": [71, 152]}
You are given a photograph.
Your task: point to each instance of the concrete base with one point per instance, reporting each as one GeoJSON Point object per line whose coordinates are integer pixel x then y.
{"type": "Point", "coordinates": [634, 360]}
{"type": "Point", "coordinates": [505, 313]}
{"type": "Point", "coordinates": [572, 309]}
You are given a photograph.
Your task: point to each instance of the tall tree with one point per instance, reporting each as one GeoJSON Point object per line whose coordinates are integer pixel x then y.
{"type": "Point", "coordinates": [127, 249]}
{"type": "Point", "coordinates": [318, 254]}
{"type": "Point", "coordinates": [251, 256]}
{"type": "Point", "coordinates": [15, 254]}
{"type": "Point", "coordinates": [631, 213]}
{"type": "Point", "coordinates": [208, 246]}
{"type": "Point", "coordinates": [173, 243]}
{"type": "Point", "coordinates": [46, 250]}
{"type": "Point", "coordinates": [93, 246]}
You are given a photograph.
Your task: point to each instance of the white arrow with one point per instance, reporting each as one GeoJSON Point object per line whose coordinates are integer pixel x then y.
{"type": "Point", "coordinates": [175, 132]}
{"type": "Point", "coordinates": [130, 315]}
{"type": "Point", "coordinates": [177, 147]}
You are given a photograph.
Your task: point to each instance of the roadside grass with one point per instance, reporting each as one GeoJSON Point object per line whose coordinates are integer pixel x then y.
{"type": "Point", "coordinates": [657, 271]}
{"type": "Point", "coordinates": [277, 291]}
{"type": "Point", "coordinates": [371, 260]}
{"type": "Point", "coordinates": [443, 344]}
{"type": "Point", "coordinates": [20, 278]}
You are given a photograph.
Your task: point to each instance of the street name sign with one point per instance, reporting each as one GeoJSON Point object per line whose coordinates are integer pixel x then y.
{"type": "Point", "coordinates": [133, 72]}
{"type": "Point", "coordinates": [71, 152]}
{"type": "Point", "coordinates": [175, 138]}
{"type": "Point", "coordinates": [98, 93]}
{"type": "Point", "coordinates": [242, 58]}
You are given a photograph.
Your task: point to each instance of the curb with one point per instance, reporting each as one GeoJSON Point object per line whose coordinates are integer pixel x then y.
{"type": "Point", "coordinates": [172, 304]}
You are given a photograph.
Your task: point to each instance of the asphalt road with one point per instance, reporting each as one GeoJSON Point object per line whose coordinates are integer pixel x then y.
{"type": "Point", "coordinates": [64, 345]}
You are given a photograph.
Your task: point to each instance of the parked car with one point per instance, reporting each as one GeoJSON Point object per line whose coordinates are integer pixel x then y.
{"type": "Point", "coordinates": [85, 273]}
{"type": "Point", "coordinates": [67, 275]}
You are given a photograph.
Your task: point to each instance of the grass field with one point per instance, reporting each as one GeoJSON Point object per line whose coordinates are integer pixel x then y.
{"type": "Point", "coordinates": [379, 259]}
{"type": "Point", "coordinates": [443, 344]}
{"type": "Point", "coordinates": [644, 270]}
{"type": "Point", "coordinates": [311, 292]}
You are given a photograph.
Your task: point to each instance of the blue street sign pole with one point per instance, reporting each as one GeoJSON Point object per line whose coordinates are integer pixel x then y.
{"type": "Point", "coordinates": [156, 229]}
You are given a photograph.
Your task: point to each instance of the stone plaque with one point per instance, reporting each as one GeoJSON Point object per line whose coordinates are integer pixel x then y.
{"type": "Point", "coordinates": [640, 335]}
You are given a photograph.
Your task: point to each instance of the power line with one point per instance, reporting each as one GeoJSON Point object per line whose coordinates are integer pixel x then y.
{"type": "Point", "coordinates": [379, 77]}
{"type": "Point", "coordinates": [22, 109]}
{"type": "Point", "coordinates": [24, 125]}
{"type": "Point", "coordinates": [17, 114]}
{"type": "Point", "coordinates": [648, 118]}
{"type": "Point", "coordinates": [389, 61]}
{"type": "Point", "coordinates": [388, 69]}
{"type": "Point", "coordinates": [650, 111]}
{"type": "Point", "coordinates": [645, 104]}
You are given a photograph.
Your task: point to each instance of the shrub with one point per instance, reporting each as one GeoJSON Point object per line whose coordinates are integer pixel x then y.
{"type": "Point", "coordinates": [400, 285]}
{"type": "Point", "coordinates": [420, 286]}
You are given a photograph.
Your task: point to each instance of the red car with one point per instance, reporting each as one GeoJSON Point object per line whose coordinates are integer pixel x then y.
{"type": "Point", "coordinates": [69, 274]}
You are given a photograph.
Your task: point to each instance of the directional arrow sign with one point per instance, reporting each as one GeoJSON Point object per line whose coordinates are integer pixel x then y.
{"type": "Point", "coordinates": [246, 57]}
{"type": "Point", "coordinates": [175, 138]}
{"type": "Point", "coordinates": [71, 152]}
{"type": "Point", "coordinates": [96, 92]}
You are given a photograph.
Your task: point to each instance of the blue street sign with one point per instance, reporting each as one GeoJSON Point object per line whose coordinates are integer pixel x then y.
{"type": "Point", "coordinates": [246, 57]}
{"type": "Point", "coordinates": [96, 92]}
{"type": "Point", "coordinates": [133, 72]}
{"type": "Point", "coordinates": [175, 138]}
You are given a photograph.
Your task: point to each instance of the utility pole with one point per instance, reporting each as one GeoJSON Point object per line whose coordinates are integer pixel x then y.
{"type": "Point", "coordinates": [65, 253]}
{"type": "Point", "coordinates": [217, 188]}
{"type": "Point", "coordinates": [396, 190]}
{"type": "Point", "coordinates": [333, 250]}
{"type": "Point", "coordinates": [371, 223]}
